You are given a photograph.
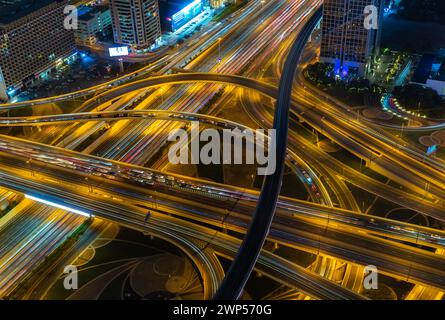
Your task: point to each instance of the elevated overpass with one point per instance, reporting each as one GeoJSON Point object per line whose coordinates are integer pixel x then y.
{"type": "Point", "coordinates": [189, 197]}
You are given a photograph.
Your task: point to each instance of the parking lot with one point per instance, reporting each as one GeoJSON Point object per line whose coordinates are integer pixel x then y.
{"type": "Point", "coordinates": [87, 70]}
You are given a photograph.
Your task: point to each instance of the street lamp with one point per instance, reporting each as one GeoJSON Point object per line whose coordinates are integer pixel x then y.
{"type": "Point", "coordinates": [121, 65]}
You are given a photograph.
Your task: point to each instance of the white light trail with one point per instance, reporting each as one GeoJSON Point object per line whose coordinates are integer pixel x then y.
{"type": "Point", "coordinates": [60, 206]}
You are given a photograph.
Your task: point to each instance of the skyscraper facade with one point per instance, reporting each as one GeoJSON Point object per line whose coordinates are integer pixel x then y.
{"type": "Point", "coordinates": [32, 39]}
{"type": "Point", "coordinates": [346, 41]}
{"type": "Point", "coordinates": [135, 23]}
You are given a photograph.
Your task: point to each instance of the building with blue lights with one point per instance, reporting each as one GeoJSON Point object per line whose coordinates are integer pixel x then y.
{"type": "Point", "coordinates": [175, 14]}
{"type": "Point", "coordinates": [346, 43]}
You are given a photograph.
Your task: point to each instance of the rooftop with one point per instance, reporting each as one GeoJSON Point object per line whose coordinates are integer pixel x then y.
{"type": "Point", "coordinates": [12, 10]}
{"type": "Point", "coordinates": [87, 13]}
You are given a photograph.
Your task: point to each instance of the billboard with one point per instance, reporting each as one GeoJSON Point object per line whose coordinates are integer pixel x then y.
{"type": "Point", "coordinates": [118, 51]}
{"type": "Point", "coordinates": [186, 14]}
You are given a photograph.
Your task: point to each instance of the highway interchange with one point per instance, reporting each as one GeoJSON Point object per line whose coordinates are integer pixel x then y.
{"type": "Point", "coordinates": [343, 234]}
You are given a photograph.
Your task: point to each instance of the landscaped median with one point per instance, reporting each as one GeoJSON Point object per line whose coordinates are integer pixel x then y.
{"type": "Point", "coordinates": [23, 287]}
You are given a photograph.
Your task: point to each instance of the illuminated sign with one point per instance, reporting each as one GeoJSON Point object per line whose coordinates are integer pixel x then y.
{"type": "Point", "coordinates": [118, 51]}
{"type": "Point", "coordinates": [186, 14]}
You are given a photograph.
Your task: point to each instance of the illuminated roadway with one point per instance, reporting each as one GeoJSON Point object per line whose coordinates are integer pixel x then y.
{"type": "Point", "coordinates": [259, 228]}
{"type": "Point", "coordinates": [131, 214]}
{"type": "Point", "coordinates": [371, 222]}
{"type": "Point", "coordinates": [393, 194]}
{"type": "Point", "coordinates": [28, 211]}
{"type": "Point", "coordinates": [206, 40]}
{"type": "Point", "coordinates": [382, 250]}
{"type": "Point", "coordinates": [56, 100]}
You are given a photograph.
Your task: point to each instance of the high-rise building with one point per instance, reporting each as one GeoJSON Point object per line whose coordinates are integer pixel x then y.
{"type": "Point", "coordinates": [135, 23]}
{"type": "Point", "coordinates": [346, 42]}
{"type": "Point", "coordinates": [92, 21]}
{"type": "Point", "coordinates": [32, 39]}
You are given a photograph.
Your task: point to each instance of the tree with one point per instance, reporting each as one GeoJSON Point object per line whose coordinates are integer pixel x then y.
{"type": "Point", "coordinates": [414, 95]}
